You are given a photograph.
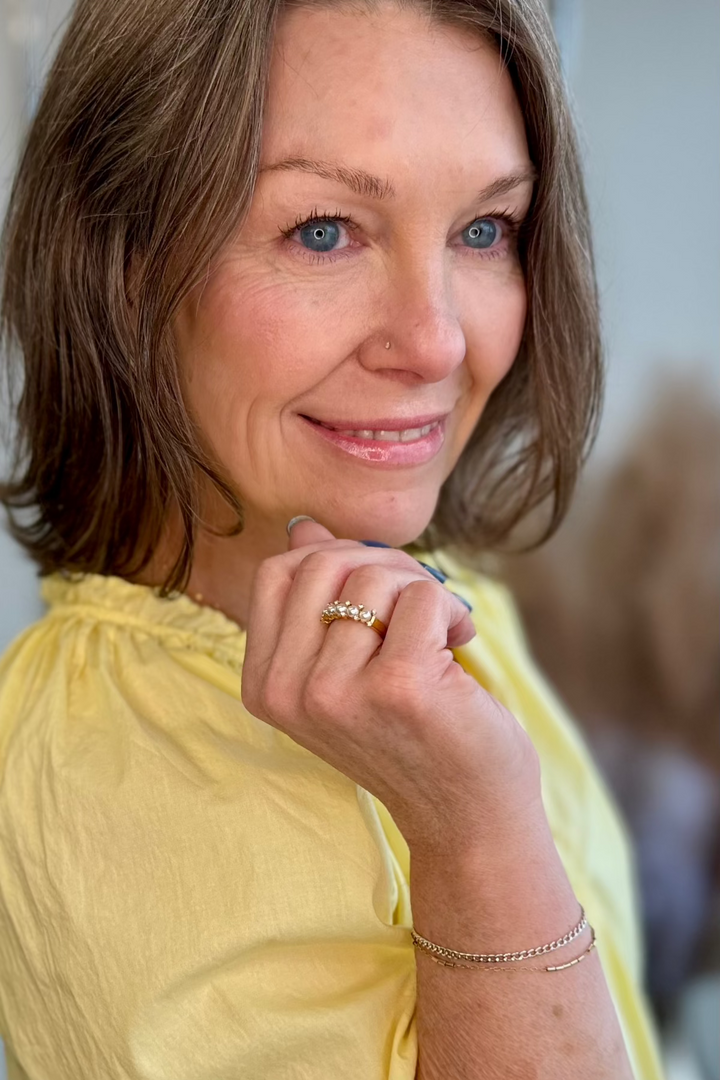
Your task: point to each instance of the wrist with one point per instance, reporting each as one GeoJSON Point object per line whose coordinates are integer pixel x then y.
{"type": "Point", "coordinates": [484, 825]}
{"type": "Point", "coordinates": [475, 813]}
{"type": "Point", "coordinates": [505, 891]}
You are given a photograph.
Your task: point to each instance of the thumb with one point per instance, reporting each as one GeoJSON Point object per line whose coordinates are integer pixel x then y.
{"type": "Point", "coordinates": [306, 531]}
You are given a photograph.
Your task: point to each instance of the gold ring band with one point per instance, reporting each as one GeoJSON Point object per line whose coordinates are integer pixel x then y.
{"type": "Point", "coordinates": [344, 609]}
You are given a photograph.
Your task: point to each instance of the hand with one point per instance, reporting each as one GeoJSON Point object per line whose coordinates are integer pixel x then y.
{"type": "Point", "coordinates": [398, 716]}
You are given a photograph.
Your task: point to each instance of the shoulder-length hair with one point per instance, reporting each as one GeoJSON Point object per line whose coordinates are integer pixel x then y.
{"type": "Point", "coordinates": [142, 157]}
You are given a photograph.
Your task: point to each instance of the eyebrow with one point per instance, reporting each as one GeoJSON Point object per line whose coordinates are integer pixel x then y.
{"type": "Point", "coordinates": [374, 187]}
{"type": "Point", "coordinates": [504, 184]}
{"type": "Point", "coordinates": [361, 182]}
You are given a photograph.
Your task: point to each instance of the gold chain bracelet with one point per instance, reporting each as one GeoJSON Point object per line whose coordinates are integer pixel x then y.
{"type": "Point", "coordinates": [508, 969]}
{"type": "Point", "coordinates": [441, 952]}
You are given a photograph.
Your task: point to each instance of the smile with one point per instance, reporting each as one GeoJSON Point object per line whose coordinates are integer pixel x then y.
{"type": "Point", "coordinates": [387, 443]}
{"type": "Point", "coordinates": [384, 435]}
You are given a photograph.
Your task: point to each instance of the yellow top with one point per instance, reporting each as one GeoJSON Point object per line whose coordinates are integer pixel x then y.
{"type": "Point", "coordinates": [187, 894]}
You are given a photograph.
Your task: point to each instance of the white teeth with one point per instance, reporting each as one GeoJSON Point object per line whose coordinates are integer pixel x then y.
{"type": "Point", "coordinates": [411, 434]}
{"type": "Point", "coordinates": [408, 435]}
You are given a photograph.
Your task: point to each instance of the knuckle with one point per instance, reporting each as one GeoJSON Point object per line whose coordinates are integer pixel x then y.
{"type": "Point", "coordinates": [426, 593]}
{"type": "Point", "coordinates": [253, 697]}
{"type": "Point", "coordinates": [408, 562]}
{"type": "Point", "coordinates": [318, 564]}
{"type": "Point", "coordinates": [276, 697]}
{"type": "Point", "coordinates": [368, 577]}
{"type": "Point", "coordinates": [426, 587]}
{"type": "Point", "coordinates": [269, 570]}
{"type": "Point", "coordinates": [319, 697]}
{"type": "Point", "coordinates": [249, 698]}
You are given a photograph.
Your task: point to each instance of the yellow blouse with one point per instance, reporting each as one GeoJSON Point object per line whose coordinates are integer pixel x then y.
{"type": "Point", "coordinates": [187, 894]}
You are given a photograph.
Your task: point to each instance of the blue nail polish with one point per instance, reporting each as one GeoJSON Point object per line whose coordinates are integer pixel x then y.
{"type": "Point", "coordinates": [442, 578]}
{"type": "Point", "coordinates": [438, 574]}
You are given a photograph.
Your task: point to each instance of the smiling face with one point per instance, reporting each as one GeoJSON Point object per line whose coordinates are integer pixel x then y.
{"type": "Point", "coordinates": [394, 174]}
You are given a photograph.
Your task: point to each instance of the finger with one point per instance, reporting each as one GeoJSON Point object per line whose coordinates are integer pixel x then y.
{"type": "Point", "coordinates": [322, 579]}
{"type": "Point", "coordinates": [309, 646]}
{"type": "Point", "coordinates": [271, 585]}
{"type": "Point", "coordinates": [348, 648]}
{"type": "Point", "coordinates": [369, 577]}
{"type": "Point", "coordinates": [426, 620]}
{"type": "Point", "coordinates": [307, 531]}
{"type": "Point", "coordinates": [305, 581]}
{"type": "Point", "coordinates": [345, 645]}
{"type": "Point", "coordinates": [276, 575]}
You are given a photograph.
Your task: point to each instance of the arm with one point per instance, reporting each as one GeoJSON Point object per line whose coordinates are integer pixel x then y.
{"type": "Point", "coordinates": [473, 1024]}
{"type": "Point", "coordinates": [461, 780]}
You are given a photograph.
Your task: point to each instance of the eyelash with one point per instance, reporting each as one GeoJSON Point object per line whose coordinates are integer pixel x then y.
{"type": "Point", "coordinates": [512, 224]}
{"type": "Point", "coordinates": [301, 222]}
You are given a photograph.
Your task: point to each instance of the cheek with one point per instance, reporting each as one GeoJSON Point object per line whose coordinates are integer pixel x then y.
{"type": "Point", "coordinates": [253, 342]}
{"type": "Point", "coordinates": [494, 324]}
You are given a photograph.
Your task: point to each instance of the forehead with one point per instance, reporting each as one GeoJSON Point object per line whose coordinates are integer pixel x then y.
{"type": "Point", "coordinates": [392, 87]}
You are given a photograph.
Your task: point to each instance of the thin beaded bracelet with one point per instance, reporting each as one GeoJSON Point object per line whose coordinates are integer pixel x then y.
{"type": "Point", "coordinates": [441, 954]}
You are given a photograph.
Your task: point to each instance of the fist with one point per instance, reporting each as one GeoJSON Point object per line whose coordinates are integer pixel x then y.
{"type": "Point", "coordinates": [397, 715]}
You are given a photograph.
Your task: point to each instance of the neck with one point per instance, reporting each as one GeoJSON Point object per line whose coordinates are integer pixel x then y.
{"type": "Point", "coordinates": [223, 567]}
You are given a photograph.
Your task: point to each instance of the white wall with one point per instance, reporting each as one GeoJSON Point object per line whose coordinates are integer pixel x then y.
{"type": "Point", "coordinates": [18, 584]}
{"type": "Point", "coordinates": [646, 85]}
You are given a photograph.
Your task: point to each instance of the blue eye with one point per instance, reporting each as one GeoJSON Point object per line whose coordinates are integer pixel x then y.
{"type": "Point", "coordinates": [481, 233]}
{"type": "Point", "coordinates": [320, 235]}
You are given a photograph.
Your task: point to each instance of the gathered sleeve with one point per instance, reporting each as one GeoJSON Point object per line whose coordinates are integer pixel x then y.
{"type": "Point", "coordinates": [185, 894]}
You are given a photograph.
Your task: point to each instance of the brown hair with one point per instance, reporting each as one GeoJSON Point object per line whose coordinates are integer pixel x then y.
{"type": "Point", "coordinates": [143, 156]}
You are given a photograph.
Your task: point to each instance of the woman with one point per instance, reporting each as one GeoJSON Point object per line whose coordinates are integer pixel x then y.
{"type": "Point", "coordinates": [330, 263]}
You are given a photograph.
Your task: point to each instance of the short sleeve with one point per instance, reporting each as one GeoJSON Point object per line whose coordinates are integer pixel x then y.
{"type": "Point", "coordinates": [185, 894]}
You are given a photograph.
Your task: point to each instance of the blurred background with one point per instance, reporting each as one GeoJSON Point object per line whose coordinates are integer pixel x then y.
{"type": "Point", "coordinates": [621, 607]}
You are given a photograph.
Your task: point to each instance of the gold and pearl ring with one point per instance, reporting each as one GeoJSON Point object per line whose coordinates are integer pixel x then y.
{"type": "Point", "coordinates": [344, 609]}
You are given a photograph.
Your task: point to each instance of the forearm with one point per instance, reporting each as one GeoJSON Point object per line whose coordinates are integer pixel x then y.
{"type": "Point", "coordinates": [511, 892]}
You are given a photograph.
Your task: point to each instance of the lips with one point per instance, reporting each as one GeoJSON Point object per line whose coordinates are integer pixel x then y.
{"type": "Point", "coordinates": [386, 443]}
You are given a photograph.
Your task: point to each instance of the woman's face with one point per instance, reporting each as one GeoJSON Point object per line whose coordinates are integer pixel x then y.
{"type": "Point", "coordinates": [345, 342]}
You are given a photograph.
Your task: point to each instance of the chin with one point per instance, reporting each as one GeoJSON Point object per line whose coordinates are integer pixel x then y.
{"type": "Point", "coordinates": [394, 518]}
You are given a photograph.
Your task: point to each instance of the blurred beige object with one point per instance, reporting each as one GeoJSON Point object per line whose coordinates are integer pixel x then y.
{"type": "Point", "coordinates": [622, 606]}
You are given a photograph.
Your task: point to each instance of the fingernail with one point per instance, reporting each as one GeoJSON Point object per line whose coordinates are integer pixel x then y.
{"type": "Point", "coordinates": [375, 543]}
{"type": "Point", "coordinates": [442, 578]}
{"type": "Point", "coordinates": [294, 521]}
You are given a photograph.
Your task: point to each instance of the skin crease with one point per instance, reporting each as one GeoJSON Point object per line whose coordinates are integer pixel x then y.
{"type": "Point", "coordinates": [274, 333]}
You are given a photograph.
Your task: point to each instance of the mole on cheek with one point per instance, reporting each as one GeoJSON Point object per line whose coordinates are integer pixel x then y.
{"type": "Point", "coordinates": [557, 1011]}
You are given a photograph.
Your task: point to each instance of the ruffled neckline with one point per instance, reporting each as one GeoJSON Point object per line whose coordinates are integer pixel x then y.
{"type": "Point", "coordinates": [113, 599]}
{"type": "Point", "coordinates": [176, 618]}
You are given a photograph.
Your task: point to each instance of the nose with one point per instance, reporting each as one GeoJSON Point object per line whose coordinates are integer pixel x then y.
{"type": "Point", "coordinates": [425, 338]}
